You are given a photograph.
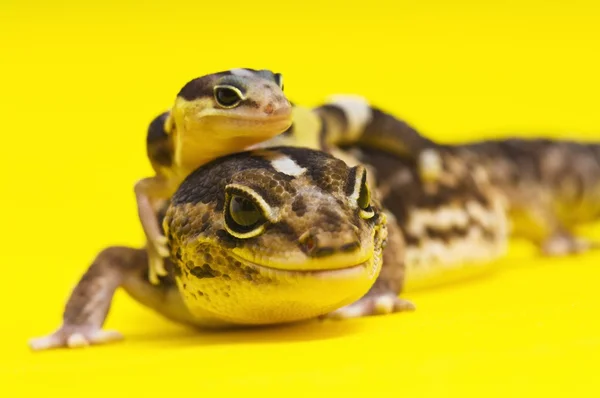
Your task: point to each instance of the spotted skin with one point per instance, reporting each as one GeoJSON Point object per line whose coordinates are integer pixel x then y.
{"type": "Point", "coordinates": [318, 254]}
{"type": "Point", "coordinates": [344, 120]}
{"type": "Point", "coordinates": [551, 187]}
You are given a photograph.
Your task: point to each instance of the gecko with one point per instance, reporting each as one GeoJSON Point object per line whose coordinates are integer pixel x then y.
{"type": "Point", "coordinates": [286, 234]}
{"type": "Point", "coordinates": [430, 230]}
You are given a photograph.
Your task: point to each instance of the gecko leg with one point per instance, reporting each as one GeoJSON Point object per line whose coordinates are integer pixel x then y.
{"type": "Point", "coordinates": [382, 298]}
{"type": "Point", "coordinates": [89, 303]}
{"type": "Point", "coordinates": [563, 243]}
{"type": "Point", "coordinates": [158, 250]}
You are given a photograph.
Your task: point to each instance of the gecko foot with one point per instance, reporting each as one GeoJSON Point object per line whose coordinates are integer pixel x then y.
{"type": "Point", "coordinates": [382, 304]}
{"type": "Point", "coordinates": [158, 251]}
{"type": "Point", "coordinates": [74, 337]}
{"type": "Point", "coordinates": [565, 244]}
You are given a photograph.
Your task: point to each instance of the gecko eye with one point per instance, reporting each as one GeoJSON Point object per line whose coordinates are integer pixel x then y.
{"type": "Point", "coordinates": [243, 211]}
{"type": "Point", "coordinates": [244, 218]}
{"type": "Point", "coordinates": [364, 199]}
{"type": "Point", "coordinates": [228, 96]}
{"type": "Point", "coordinates": [279, 80]}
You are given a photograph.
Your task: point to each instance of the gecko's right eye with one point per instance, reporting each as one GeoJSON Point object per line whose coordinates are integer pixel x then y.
{"type": "Point", "coordinates": [228, 96]}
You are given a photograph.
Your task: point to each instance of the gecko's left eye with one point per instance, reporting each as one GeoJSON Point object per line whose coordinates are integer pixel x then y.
{"type": "Point", "coordinates": [244, 213]}
{"type": "Point", "coordinates": [279, 80]}
{"type": "Point", "coordinates": [228, 96]}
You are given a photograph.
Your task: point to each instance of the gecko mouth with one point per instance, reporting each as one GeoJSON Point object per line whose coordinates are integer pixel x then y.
{"type": "Point", "coordinates": [350, 270]}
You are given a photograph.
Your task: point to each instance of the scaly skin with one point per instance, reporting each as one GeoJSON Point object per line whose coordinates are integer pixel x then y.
{"type": "Point", "coordinates": [212, 116]}
{"type": "Point", "coordinates": [286, 234]}
{"type": "Point", "coordinates": [551, 187]}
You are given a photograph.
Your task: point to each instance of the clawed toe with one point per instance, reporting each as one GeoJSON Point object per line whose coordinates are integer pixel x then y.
{"type": "Point", "coordinates": [562, 245]}
{"type": "Point", "coordinates": [74, 339]}
{"type": "Point", "coordinates": [373, 305]}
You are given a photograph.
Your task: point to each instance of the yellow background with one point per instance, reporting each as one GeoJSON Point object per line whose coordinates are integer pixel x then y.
{"type": "Point", "coordinates": [79, 84]}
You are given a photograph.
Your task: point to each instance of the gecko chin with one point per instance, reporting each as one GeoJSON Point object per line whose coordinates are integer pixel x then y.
{"type": "Point", "coordinates": [234, 291]}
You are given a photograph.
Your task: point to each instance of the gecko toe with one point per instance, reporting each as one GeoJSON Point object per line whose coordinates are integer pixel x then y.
{"type": "Point", "coordinates": [382, 304]}
{"type": "Point", "coordinates": [77, 340]}
{"type": "Point", "coordinates": [74, 337]}
{"type": "Point", "coordinates": [105, 336]}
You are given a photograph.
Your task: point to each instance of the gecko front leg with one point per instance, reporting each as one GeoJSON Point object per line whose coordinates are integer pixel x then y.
{"type": "Point", "coordinates": [89, 303]}
{"type": "Point", "coordinates": [147, 191]}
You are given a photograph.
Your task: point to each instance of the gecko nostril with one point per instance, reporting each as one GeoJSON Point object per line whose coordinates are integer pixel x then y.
{"type": "Point", "coordinates": [269, 108]}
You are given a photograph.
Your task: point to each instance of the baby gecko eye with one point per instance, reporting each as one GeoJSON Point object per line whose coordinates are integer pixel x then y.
{"type": "Point", "coordinates": [228, 96]}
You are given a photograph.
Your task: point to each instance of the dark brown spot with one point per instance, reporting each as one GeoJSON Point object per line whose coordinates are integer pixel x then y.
{"type": "Point", "coordinates": [350, 247]}
{"type": "Point", "coordinates": [299, 206]}
{"type": "Point", "coordinates": [251, 103]}
{"type": "Point", "coordinates": [177, 271]}
{"type": "Point", "coordinates": [336, 113]}
{"type": "Point", "coordinates": [205, 271]}
{"type": "Point", "coordinates": [225, 239]}
{"type": "Point", "coordinates": [161, 154]}
{"type": "Point", "coordinates": [350, 184]}
{"type": "Point", "coordinates": [403, 138]}
{"type": "Point", "coordinates": [205, 217]}
{"type": "Point", "coordinates": [322, 252]}
{"type": "Point", "coordinates": [200, 87]}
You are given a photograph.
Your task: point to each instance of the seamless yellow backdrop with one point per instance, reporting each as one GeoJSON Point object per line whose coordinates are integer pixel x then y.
{"type": "Point", "coordinates": [79, 83]}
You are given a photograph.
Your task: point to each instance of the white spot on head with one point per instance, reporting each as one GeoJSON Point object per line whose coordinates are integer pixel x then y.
{"type": "Point", "coordinates": [242, 72]}
{"type": "Point", "coordinates": [286, 165]}
{"type": "Point", "coordinates": [282, 163]}
{"type": "Point", "coordinates": [357, 110]}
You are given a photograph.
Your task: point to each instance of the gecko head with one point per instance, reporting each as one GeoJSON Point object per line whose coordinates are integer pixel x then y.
{"type": "Point", "coordinates": [231, 110]}
{"type": "Point", "coordinates": [276, 235]}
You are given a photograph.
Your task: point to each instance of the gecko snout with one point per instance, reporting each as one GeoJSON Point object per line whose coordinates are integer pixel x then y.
{"type": "Point", "coordinates": [327, 243]}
